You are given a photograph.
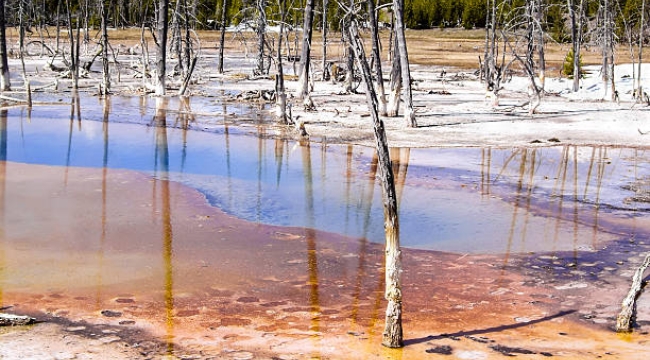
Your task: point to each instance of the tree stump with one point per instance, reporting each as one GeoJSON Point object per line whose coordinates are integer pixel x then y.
{"type": "Point", "coordinates": [625, 320]}
{"type": "Point", "coordinates": [15, 320]}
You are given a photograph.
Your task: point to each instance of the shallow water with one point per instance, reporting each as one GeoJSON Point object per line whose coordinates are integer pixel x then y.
{"type": "Point", "coordinates": [458, 200]}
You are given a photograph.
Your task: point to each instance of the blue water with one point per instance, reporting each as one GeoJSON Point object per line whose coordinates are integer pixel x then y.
{"type": "Point", "coordinates": [461, 200]}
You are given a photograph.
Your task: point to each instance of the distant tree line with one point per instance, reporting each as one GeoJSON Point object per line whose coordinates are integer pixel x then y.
{"type": "Point", "coordinates": [418, 14]}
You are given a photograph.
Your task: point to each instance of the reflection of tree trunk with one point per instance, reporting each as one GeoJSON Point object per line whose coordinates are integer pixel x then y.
{"type": "Point", "coordinates": [312, 255]}
{"type": "Point", "coordinates": [392, 336]}
{"type": "Point", "coordinates": [162, 159]}
{"type": "Point", "coordinates": [75, 108]}
{"type": "Point", "coordinates": [400, 157]}
{"type": "Point", "coordinates": [102, 239]}
{"type": "Point", "coordinates": [366, 202]}
{"type": "Point", "coordinates": [279, 157]}
{"type": "Point", "coordinates": [486, 165]}
{"type": "Point", "coordinates": [226, 135]}
{"type": "Point", "coordinates": [561, 182]}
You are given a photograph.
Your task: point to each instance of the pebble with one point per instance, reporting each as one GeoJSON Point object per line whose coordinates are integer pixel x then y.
{"type": "Point", "coordinates": [572, 285]}
{"type": "Point", "coordinates": [75, 328]}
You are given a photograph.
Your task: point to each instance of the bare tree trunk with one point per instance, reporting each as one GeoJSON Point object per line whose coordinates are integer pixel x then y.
{"type": "Point", "coordinates": [325, 69]}
{"type": "Point", "coordinates": [608, 49]}
{"type": "Point", "coordinates": [374, 30]}
{"type": "Point", "coordinates": [489, 66]}
{"type": "Point", "coordinates": [222, 37]}
{"type": "Point", "coordinates": [305, 57]}
{"type": "Point", "coordinates": [161, 47]}
{"type": "Point", "coordinates": [106, 78]}
{"type": "Point", "coordinates": [260, 69]}
{"type": "Point", "coordinates": [176, 33]}
{"type": "Point", "coordinates": [395, 85]}
{"type": "Point", "coordinates": [393, 334]}
{"type": "Point", "coordinates": [409, 114]}
{"type": "Point", "coordinates": [576, 39]}
{"type": "Point", "coordinates": [626, 318]}
{"type": "Point", "coordinates": [281, 96]}
{"type": "Point", "coordinates": [639, 90]}
{"type": "Point", "coordinates": [5, 83]}
{"type": "Point", "coordinates": [539, 32]}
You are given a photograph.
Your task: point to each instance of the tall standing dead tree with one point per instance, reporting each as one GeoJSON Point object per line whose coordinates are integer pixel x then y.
{"type": "Point", "coordinates": [374, 33]}
{"type": "Point", "coordinates": [305, 57]}
{"type": "Point", "coordinates": [281, 96]}
{"type": "Point", "coordinates": [393, 334]}
{"type": "Point", "coordinates": [606, 35]}
{"type": "Point", "coordinates": [5, 84]}
{"type": "Point", "coordinates": [576, 14]}
{"type": "Point", "coordinates": [161, 47]}
{"type": "Point", "coordinates": [222, 36]}
{"type": "Point", "coordinates": [106, 79]}
{"type": "Point", "coordinates": [260, 69]}
{"type": "Point", "coordinates": [402, 55]}
{"type": "Point", "coordinates": [326, 75]}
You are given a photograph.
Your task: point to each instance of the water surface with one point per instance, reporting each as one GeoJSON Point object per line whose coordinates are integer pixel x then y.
{"type": "Point", "coordinates": [460, 200]}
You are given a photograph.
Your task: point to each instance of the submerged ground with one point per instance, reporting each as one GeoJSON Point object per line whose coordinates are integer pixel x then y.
{"type": "Point", "coordinates": [121, 263]}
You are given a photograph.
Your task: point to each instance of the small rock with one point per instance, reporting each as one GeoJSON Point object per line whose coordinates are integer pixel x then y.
{"type": "Point", "coordinates": [75, 328]}
{"type": "Point", "coordinates": [442, 350]}
{"type": "Point", "coordinates": [248, 299]}
{"type": "Point", "coordinates": [111, 313]}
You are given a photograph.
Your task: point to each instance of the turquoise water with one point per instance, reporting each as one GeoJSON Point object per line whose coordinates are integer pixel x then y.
{"type": "Point", "coordinates": [460, 200]}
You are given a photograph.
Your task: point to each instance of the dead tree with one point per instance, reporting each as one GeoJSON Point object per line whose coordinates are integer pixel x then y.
{"type": "Point", "coordinates": [608, 43]}
{"type": "Point", "coordinates": [5, 83]}
{"type": "Point", "coordinates": [326, 74]}
{"type": "Point", "coordinates": [395, 83]}
{"type": "Point", "coordinates": [491, 50]}
{"type": "Point", "coordinates": [74, 48]}
{"type": "Point", "coordinates": [106, 78]}
{"type": "Point", "coordinates": [402, 55]}
{"type": "Point", "coordinates": [222, 36]}
{"type": "Point", "coordinates": [393, 334]}
{"type": "Point", "coordinates": [161, 47]}
{"type": "Point", "coordinates": [525, 47]}
{"type": "Point", "coordinates": [576, 14]}
{"type": "Point", "coordinates": [625, 320]}
{"type": "Point", "coordinates": [260, 69]}
{"type": "Point", "coordinates": [374, 31]}
{"type": "Point", "coordinates": [281, 96]}
{"type": "Point", "coordinates": [639, 90]}
{"type": "Point", "coordinates": [305, 57]}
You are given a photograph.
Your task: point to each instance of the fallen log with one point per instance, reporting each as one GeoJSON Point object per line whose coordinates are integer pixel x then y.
{"type": "Point", "coordinates": [625, 320]}
{"type": "Point", "coordinates": [15, 320]}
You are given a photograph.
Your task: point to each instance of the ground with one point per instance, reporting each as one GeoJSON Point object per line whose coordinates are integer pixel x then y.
{"type": "Point", "coordinates": [468, 306]}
